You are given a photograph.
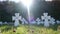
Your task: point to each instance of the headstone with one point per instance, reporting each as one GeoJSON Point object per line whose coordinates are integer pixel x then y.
{"type": "Point", "coordinates": [16, 18]}
{"type": "Point", "coordinates": [38, 21]}
{"type": "Point", "coordinates": [24, 21]}
{"type": "Point", "coordinates": [0, 23]}
{"type": "Point", "coordinates": [58, 22]}
{"type": "Point", "coordinates": [5, 23]}
{"type": "Point", "coordinates": [46, 19]}
{"type": "Point", "coordinates": [33, 22]}
{"type": "Point", "coordinates": [52, 21]}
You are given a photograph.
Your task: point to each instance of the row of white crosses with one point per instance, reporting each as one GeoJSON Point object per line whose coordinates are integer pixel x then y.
{"type": "Point", "coordinates": [18, 18]}
{"type": "Point", "coordinates": [45, 19]}
{"type": "Point", "coordinates": [1, 23]}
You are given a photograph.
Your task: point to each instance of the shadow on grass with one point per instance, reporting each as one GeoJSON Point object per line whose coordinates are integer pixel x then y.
{"type": "Point", "coordinates": [5, 28]}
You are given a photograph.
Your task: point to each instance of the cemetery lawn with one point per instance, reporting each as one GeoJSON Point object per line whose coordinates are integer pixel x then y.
{"type": "Point", "coordinates": [27, 29]}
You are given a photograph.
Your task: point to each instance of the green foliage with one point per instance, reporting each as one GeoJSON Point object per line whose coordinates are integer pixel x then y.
{"type": "Point", "coordinates": [27, 29]}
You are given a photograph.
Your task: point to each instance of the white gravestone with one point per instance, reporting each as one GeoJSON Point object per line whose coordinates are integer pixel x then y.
{"type": "Point", "coordinates": [46, 19]}
{"type": "Point", "coordinates": [52, 21]}
{"type": "Point", "coordinates": [58, 22]}
{"type": "Point", "coordinates": [5, 23]}
{"type": "Point", "coordinates": [16, 18]}
{"type": "Point", "coordinates": [33, 22]}
{"type": "Point", "coordinates": [38, 21]}
{"type": "Point", "coordinates": [1, 23]}
{"type": "Point", "coordinates": [24, 21]}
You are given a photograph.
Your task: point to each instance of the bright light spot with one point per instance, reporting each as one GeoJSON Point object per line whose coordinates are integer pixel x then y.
{"type": "Point", "coordinates": [28, 10]}
{"type": "Point", "coordinates": [48, 0]}
{"type": "Point", "coordinates": [26, 2]}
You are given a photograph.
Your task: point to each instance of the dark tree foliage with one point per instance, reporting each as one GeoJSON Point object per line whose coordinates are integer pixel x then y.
{"type": "Point", "coordinates": [6, 10]}
{"type": "Point", "coordinates": [9, 8]}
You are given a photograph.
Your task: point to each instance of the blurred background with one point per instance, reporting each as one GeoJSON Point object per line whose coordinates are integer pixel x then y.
{"type": "Point", "coordinates": [9, 8]}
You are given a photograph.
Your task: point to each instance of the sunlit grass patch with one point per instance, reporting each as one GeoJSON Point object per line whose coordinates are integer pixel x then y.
{"type": "Point", "coordinates": [27, 29]}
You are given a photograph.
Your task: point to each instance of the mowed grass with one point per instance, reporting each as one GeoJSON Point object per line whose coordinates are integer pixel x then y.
{"type": "Point", "coordinates": [27, 29]}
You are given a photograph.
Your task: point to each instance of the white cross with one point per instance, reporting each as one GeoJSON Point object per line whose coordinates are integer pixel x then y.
{"type": "Point", "coordinates": [58, 22]}
{"type": "Point", "coordinates": [38, 21]}
{"type": "Point", "coordinates": [16, 18]}
{"type": "Point", "coordinates": [46, 19]}
{"type": "Point", "coordinates": [24, 21]}
{"type": "Point", "coordinates": [1, 23]}
{"type": "Point", "coordinates": [52, 21]}
{"type": "Point", "coordinates": [5, 23]}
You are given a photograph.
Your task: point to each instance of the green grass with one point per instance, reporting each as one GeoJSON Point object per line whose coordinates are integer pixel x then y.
{"type": "Point", "coordinates": [27, 29]}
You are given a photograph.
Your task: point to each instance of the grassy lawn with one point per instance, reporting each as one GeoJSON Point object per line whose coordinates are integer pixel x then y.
{"type": "Point", "coordinates": [26, 29]}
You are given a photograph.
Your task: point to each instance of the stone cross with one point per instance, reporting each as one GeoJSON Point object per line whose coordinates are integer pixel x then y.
{"type": "Point", "coordinates": [33, 22]}
{"type": "Point", "coordinates": [24, 21]}
{"type": "Point", "coordinates": [52, 21]}
{"type": "Point", "coordinates": [1, 23]}
{"type": "Point", "coordinates": [16, 18]}
{"type": "Point", "coordinates": [58, 22]}
{"type": "Point", "coordinates": [46, 19]}
{"type": "Point", "coordinates": [5, 23]}
{"type": "Point", "coordinates": [38, 21]}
